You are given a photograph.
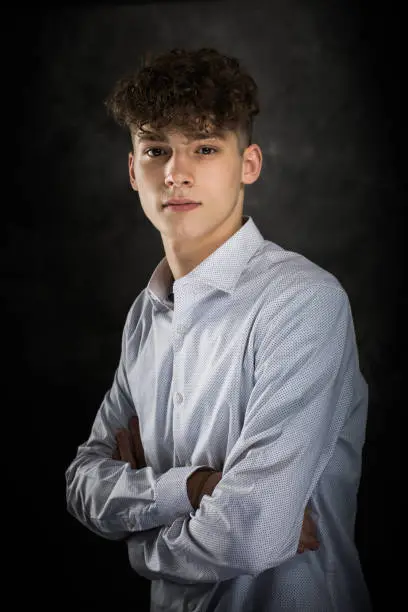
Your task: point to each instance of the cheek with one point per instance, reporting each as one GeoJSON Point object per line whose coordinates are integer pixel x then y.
{"type": "Point", "coordinates": [229, 178]}
{"type": "Point", "coordinates": [223, 175]}
{"type": "Point", "coordinates": [151, 176]}
{"type": "Point", "coordinates": [138, 172]}
{"type": "Point", "coordinates": [145, 179]}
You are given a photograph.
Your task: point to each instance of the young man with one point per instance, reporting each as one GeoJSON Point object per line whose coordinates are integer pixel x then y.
{"type": "Point", "coordinates": [233, 431]}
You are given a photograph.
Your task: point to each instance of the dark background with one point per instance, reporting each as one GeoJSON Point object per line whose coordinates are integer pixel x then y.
{"type": "Point", "coordinates": [78, 249]}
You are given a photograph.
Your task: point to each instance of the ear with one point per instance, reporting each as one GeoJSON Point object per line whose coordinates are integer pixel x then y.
{"type": "Point", "coordinates": [252, 164]}
{"type": "Point", "coordinates": [132, 177]}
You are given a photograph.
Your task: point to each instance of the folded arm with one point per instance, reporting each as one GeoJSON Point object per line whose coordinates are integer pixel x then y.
{"type": "Point", "coordinates": [305, 375]}
{"type": "Point", "coordinates": [108, 496]}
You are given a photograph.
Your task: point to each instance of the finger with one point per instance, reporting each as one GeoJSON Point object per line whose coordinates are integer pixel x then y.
{"type": "Point", "coordinates": [308, 535]}
{"type": "Point", "coordinates": [309, 526]}
{"type": "Point", "coordinates": [308, 522]}
{"type": "Point", "coordinates": [125, 447]}
{"type": "Point", "coordinates": [116, 454]}
{"type": "Point", "coordinates": [137, 441]}
{"type": "Point", "coordinates": [309, 543]}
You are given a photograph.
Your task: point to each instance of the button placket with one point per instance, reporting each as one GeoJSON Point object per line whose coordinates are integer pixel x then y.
{"type": "Point", "coordinates": [178, 386]}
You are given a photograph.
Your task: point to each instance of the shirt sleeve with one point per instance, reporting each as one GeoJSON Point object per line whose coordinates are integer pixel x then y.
{"type": "Point", "coordinates": [306, 368]}
{"type": "Point", "coordinates": [108, 496]}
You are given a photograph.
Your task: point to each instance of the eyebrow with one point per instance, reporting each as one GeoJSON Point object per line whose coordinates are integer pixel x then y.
{"type": "Point", "coordinates": [160, 136]}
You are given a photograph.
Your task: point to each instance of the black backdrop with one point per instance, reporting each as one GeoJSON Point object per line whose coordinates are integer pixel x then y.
{"type": "Point", "coordinates": [78, 248]}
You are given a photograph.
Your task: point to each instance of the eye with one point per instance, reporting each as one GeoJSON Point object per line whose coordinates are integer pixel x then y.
{"type": "Point", "coordinates": [147, 152]}
{"type": "Point", "coordinates": [209, 148]}
{"type": "Point", "coordinates": [152, 149]}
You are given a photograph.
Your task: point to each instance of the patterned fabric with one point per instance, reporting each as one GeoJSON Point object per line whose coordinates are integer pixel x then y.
{"type": "Point", "coordinates": [253, 370]}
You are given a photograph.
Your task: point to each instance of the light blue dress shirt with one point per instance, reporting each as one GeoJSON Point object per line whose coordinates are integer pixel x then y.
{"type": "Point", "coordinates": [253, 371]}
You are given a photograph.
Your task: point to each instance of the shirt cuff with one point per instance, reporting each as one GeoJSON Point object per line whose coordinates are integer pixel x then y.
{"type": "Point", "coordinates": [171, 493]}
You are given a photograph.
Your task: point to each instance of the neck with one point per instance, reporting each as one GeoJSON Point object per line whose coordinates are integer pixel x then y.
{"type": "Point", "coordinates": [183, 257]}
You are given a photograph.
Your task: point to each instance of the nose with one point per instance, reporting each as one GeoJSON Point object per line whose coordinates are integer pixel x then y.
{"type": "Point", "coordinates": [177, 180]}
{"type": "Point", "coordinates": [177, 175]}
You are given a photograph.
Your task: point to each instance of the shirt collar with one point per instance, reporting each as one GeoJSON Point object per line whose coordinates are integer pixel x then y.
{"type": "Point", "coordinates": [220, 270]}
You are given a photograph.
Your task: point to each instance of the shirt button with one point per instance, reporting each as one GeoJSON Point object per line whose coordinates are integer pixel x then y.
{"type": "Point", "coordinates": [178, 398]}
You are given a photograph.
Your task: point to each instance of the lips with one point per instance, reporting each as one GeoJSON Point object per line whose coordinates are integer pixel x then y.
{"type": "Point", "coordinates": [179, 201]}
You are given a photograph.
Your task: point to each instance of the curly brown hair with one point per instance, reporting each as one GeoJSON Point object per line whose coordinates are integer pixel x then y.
{"type": "Point", "coordinates": [187, 90]}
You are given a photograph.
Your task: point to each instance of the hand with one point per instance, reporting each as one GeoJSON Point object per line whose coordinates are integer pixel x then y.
{"type": "Point", "coordinates": [129, 445]}
{"type": "Point", "coordinates": [201, 482]}
{"type": "Point", "coordinates": [308, 534]}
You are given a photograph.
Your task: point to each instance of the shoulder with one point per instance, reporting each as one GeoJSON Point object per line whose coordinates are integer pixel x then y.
{"type": "Point", "coordinates": [289, 270]}
{"type": "Point", "coordinates": [293, 289]}
{"type": "Point", "coordinates": [137, 313]}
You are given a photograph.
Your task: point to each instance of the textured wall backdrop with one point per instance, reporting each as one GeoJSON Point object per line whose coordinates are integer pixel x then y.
{"type": "Point", "coordinates": [79, 248]}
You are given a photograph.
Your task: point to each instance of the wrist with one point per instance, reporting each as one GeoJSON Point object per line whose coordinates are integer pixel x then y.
{"type": "Point", "coordinates": [209, 485]}
{"type": "Point", "coordinates": [195, 483]}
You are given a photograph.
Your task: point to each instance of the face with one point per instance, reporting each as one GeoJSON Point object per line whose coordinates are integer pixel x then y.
{"type": "Point", "coordinates": [205, 169]}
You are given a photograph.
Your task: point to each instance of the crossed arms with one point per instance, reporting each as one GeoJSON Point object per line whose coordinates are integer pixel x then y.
{"type": "Point", "coordinates": [202, 482]}
{"type": "Point", "coordinates": [256, 515]}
